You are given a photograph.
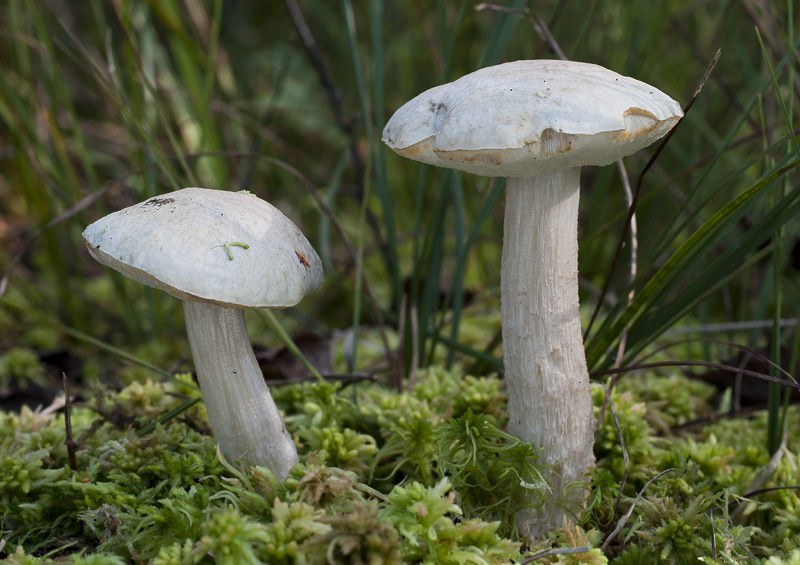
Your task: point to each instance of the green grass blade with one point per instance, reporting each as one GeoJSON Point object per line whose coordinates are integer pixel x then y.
{"type": "Point", "coordinates": [675, 226]}
{"type": "Point", "coordinates": [269, 318]}
{"type": "Point", "coordinates": [501, 35]}
{"type": "Point", "coordinates": [431, 266]}
{"type": "Point", "coordinates": [174, 413]}
{"type": "Point", "coordinates": [677, 265]}
{"type": "Point", "coordinates": [378, 151]}
{"type": "Point", "coordinates": [82, 336]}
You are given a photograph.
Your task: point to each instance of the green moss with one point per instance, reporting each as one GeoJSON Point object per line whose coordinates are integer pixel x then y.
{"type": "Point", "coordinates": [41, 337]}
{"type": "Point", "coordinates": [452, 392]}
{"type": "Point", "coordinates": [357, 537]}
{"type": "Point", "coordinates": [671, 529]}
{"type": "Point", "coordinates": [712, 461]}
{"type": "Point", "coordinates": [600, 510]}
{"type": "Point", "coordinates": [494, 473]}
{"type": "Point", "coordinates": [453, 480]}
{"type": "Point", "coordinates": [21, 366]}
{"type": "Point", "coordinates": [572, 537]}
{"type": "Point", "coordinates": [427, 520]}
{"type": "Point", "coordinates": [98, 559]}
{"type": "Point", "coordinates": [232, 538]}
{"type": "Point", "coordinates": [636, 555]}
{"type": "Point", "coordinates": [315, 483]}
{"type": "Point", "coordinates": [177, 554]}
{"type": "Point", "coordinates": [671, 400]}
{"type": "Point", "coordinates": [343, 448]}
{"type": "Point", "coordinates": [792, 559]}
{"type": "Point", "coordinates": [293, 523]}
{"type": "Point", "coordinates": [411, 446]}
{"type": "Point", "coordinates": [639, 441]}
{"type": "Point", "coordinates": [19, 557]}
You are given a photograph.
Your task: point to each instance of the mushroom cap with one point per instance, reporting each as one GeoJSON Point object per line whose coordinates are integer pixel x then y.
{"type": "Point", "coordinates": [523, 118]}
{"type": "Point", "coordinates": [177, 243]}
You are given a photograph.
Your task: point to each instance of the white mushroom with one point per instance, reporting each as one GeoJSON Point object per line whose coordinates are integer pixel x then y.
{"type": "Point", "coordinates": [219, 252]}
{"type": "Point", "coordinates": [537, 123]}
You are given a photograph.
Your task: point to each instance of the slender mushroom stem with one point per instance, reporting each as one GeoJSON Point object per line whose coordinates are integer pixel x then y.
{"type": "Point", "coordinates": [247, 424]}
{"type": "Point", "coordinates": [549, 396]}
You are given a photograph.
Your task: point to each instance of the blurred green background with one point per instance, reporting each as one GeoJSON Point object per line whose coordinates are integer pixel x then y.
{"type": "Point", "coordinates": [105, 104]}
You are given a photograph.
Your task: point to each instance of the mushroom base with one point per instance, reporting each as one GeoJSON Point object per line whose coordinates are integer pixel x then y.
{"type": "Point", "coordinates": [549, 396]}
{"type": "Point", "coordinates": [247, 424]}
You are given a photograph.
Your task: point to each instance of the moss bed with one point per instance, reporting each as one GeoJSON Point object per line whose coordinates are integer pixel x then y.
{"type": "Point", "coordinates": [423, 476]}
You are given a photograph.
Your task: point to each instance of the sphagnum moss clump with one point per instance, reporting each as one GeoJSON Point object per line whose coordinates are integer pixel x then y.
{"type": "Point", "coordinates": [423, 476]}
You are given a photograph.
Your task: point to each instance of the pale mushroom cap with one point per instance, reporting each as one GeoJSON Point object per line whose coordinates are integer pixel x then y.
{"type": "Point", "coordinates": [176, 243]}
{"type": "Point", "coordinates": [518, 119]}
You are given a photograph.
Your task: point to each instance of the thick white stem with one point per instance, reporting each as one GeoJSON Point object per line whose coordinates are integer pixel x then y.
{"type": "Point", "coordinates": [549, 396]}
{"type": "Point", "coordinates": [247, 424]}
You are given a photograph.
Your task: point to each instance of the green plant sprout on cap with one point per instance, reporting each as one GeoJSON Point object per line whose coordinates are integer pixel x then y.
{"type": "Point", "coordinates": [228, 244]}
{"type": "Point", "coordinates": [537, 123]}
{"type": "Point", "coordinates": [164, 243]}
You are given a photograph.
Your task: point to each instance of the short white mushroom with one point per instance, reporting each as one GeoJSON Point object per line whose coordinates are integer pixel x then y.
{"type": "Point", "coordinates": [219, 252]}
{"type": "Point", "coordinates": [537, 123]}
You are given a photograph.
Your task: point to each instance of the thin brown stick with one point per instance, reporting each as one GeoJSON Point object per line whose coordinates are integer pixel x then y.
{"type": "Point", "coordinates": [625, 457]}
{"type": "Point", "coordinates": [344, 378]}
{"type": "Point", "coordinates": [763, 474]}
{"type": "Point", "coordinates": [735, 413]}
{"type": "Point", "coordinates": [638, 191]}
{"type": "Point", "coordinates": [624, 519]}
{"type": "Point", "coordinates": [90, 199]}
{"type": "Point", "coordinates": [317, 60]}
{"type": "Point", "coordinates": [537, 23]}
{"type": "Point", "coordinates": [412, 373]}
{"type": "Point", "coordinates": [346, 124]}
{"type": "Point", "coordinates": [770, 489]}
{"type": "Point", "coordinates": [626, 184]}
{"type": "Point", "coordinates": [403, 317]}
{"type": "Point", "coordinates": [677, 25]}
{"type": "Point", "coordinates": [555, 551]}
{"type": "Point", "coordinates": [69, 442]}
{"type": "Point", "coordinates": [740, 544]}
{"type": "Point", "coordinates": [748, 350]}
{"type": "Point", "coordinates": [713, 536]}
{"type": "Point", "coordinates": [718, 366]}
{"type": "Point", "coordinates": [771, 34]}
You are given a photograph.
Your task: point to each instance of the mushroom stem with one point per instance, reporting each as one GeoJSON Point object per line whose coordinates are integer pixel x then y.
{"type": "Point", "coordinates": [247, 424]}
{"type": "Point", "coordinates": [549, 396]}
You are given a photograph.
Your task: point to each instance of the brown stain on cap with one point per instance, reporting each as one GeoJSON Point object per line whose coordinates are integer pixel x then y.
{"type": "Point", "coordinates": [483, 157]}
{"type": "Point", "coordinates": [637, 122]}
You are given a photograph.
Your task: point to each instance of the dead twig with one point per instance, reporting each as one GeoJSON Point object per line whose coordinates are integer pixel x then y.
{"type": "Point", "coordinates": [554, 551]}
{"type": "Point", "coordinates": [346, 124]}
{"type": "Point", "coordinates": [638, 190]}
{"type": "Point", "coordinates": [624, 519]}
{"type": "Point", "coordinates": [625, 457]}
{"type": "Point", "coordinates": [537, 23]}
{"type": "Point", "coordinates": [719, 366]}
{"type": "Point", "coordinates": [69, 442]}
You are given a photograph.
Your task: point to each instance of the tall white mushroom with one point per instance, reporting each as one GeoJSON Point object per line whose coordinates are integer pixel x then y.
{"type": "Point", "coordinates": [219, 252]}
{"type": "Point", "coordinates": [537, 123]}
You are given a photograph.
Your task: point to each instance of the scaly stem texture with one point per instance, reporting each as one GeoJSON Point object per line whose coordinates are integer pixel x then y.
{"type": "Point", "coordinates": [549, 396]}
{"type": "Point", "coordinates": [247, 424]}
